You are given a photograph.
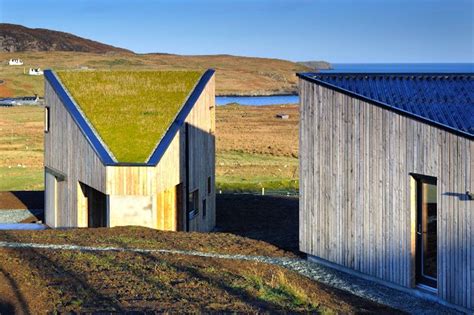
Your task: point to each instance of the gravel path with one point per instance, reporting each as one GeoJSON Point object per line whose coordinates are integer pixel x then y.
{"type": "Point", "coordinates": [320, 273]}
{"type": "Point", "coordinates": [17, 215]}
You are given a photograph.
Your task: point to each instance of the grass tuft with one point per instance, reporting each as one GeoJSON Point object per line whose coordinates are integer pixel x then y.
{"type": "Point", "coordinates": [279, 290]}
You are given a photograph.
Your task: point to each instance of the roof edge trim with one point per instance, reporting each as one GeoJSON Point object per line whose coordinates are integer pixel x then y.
{"type": "Point", "coordinates": [307, 77]}
{"type": "Point", "coordinates": [79, 118]}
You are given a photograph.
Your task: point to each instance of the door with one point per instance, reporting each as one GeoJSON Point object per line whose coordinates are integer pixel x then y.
{"type": "Point", "coordinates": [92, 206]}
{"type": "Point", "coordinates": [50, 199]}
{"type": "Point", "coordinates": [426, 232]}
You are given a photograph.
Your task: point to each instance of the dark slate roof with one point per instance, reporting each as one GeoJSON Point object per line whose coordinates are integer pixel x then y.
{"type": "Point", "coordinates": [442, 99]}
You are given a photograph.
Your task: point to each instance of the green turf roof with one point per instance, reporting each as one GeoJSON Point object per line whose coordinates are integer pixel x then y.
{"type": "Point", "coordinates": [130, 110]}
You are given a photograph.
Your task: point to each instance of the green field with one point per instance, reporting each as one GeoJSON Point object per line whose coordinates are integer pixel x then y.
{"type": "Point", "coordinates": [244, 160]}
{"type": "Point", "coordinates": [245, 172]}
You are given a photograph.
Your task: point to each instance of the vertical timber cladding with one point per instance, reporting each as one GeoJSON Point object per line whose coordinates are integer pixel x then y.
{"type": "Point", "coordinates": [201, 124]}
{"type": "Point", "coordinates": [160, 189]}
{"type": "Point", "coordinates": [356, 206]}
{"type": "Point", "coordinates": [68, 152]}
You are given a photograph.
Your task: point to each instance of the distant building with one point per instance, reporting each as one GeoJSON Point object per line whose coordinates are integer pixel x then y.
{"type": "Point", "coordinates": [28, 100]}
{"type": "Point", "coordinates": [36, 71]}
{"type": "Point", "coordinates": [15, 62]}
{"type": "Point", "coordinates": [386, 163]}
{"type": "Point", "coordinates": [89, 182]}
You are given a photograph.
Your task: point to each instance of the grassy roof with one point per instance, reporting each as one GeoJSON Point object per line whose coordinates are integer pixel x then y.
{"type": "Point", "coordinates": [130, 110]}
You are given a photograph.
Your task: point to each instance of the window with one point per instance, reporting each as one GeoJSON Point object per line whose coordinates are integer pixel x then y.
{"type": "Point", "coordinates": [193, 203]}
{"type": "Point", "coordinates": [204, 208]}
{"type": "Point", "coordinates": [209, 185]}
{"type": "Point", "coordinates": [46, 119]}
{"type": "Point", "coordinates": [426, 229]}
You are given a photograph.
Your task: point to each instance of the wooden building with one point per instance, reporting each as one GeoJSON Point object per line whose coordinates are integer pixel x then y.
{"type": "Point", "coordinates": [166, 178]}
{"type": "Point", "coordinates": [386, 164]}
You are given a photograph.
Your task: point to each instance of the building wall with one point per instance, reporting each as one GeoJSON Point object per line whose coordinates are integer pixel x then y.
{"type": "Point", "coordinates": [156, 187]}
{"type": "Point", "coordinates": [137, 195]}
{"type": "Point", "coordinates": [202, 152]}
{"type": "Point", "coordinates": [68, 152]}
{"type": "Point", "coordinates": [356, 196]}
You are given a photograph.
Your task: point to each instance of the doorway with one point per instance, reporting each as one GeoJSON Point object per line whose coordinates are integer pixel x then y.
{"type": "Point", "coordinates": [426, 231]}
{"type": "Point", "coordinates": [92, 207]}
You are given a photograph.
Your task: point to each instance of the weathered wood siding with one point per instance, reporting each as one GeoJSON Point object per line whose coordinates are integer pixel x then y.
{"type": "Point", "coordinates": [67, 151]}
{"type": "Point", "coordinates": [160, 182]}
{"type": "Point", "coordinates": [356, 199]}
{"type": "Point", "coordinates": [151, 189]}
{"type": "Point", "coordinates": [201, 121]}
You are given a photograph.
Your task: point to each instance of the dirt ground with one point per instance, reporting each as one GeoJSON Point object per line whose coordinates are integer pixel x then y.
{"type": "Point", "coordinates": [40, 281]}
{"type": "Point", "coordinates": [21, 200]}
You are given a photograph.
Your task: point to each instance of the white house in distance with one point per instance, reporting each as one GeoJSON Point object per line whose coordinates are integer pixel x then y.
{"type": "Point", "coordinates": [36, 71]}
{"type": "Point", "coordinates": [15, 62]}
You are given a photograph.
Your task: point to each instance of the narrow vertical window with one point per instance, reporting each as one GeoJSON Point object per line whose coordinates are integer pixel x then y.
{"type": "Point", "coordinates": [204, 208]}
{"type": "Point", "coordinates": [193, 204]}
{"type": "Point", "coordinates": [209, 185]}
{"type": "Point", "coordinates": [46, 119]}
{"type": "Point", "coordinates": [426, 230]}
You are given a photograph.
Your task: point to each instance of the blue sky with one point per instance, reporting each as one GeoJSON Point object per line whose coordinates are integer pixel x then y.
{"type": "Point", "coordinates": [332, 30]}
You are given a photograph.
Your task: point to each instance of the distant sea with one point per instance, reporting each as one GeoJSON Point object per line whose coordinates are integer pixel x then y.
{"type": "Point", "coordinates": [401, 67]}
{"type": "Point", "coordinates": [352, 67]}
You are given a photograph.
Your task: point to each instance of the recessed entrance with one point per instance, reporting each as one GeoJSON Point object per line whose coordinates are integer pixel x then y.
{"type": "Point", "coordinates": [92, 207]}
{"type": "Point", "coordinates": [426, 231]}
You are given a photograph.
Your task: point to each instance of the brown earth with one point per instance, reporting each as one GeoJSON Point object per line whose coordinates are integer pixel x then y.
{"type": "Point", "coordinates": [5, 91]}
{"type": "Point", "coordinates": [41, 281]}
{"type": "Point", "coordinates": [256, 130]}
{"type": "Point", "coordinates": [21, 200]}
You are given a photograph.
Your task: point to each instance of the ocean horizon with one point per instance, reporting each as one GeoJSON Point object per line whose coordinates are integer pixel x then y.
{"type": "Point", "coordinates": [461, 67]}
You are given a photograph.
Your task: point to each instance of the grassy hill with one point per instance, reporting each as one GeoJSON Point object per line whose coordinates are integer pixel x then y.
{"type": "Point", "coordinates": [15, 37]}
{"type": "Point", "coordinates": [234, 75]}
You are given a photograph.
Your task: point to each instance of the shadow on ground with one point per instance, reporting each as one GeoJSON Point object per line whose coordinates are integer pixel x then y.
{"type": "Point", "coordinates": [273, 219]}
{"type": "Point", "coordinates": [22, 199]}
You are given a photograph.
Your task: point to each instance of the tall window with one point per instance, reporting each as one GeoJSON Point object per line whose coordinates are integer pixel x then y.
{"type": "Point", "coordinates": [46, 119]}
{"type": "Point", "coordinates": [204, 208]}
{"type": "Point", "coordinates": [193, 203]}
{"type": "Point", "coordinates": [426, 230]}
